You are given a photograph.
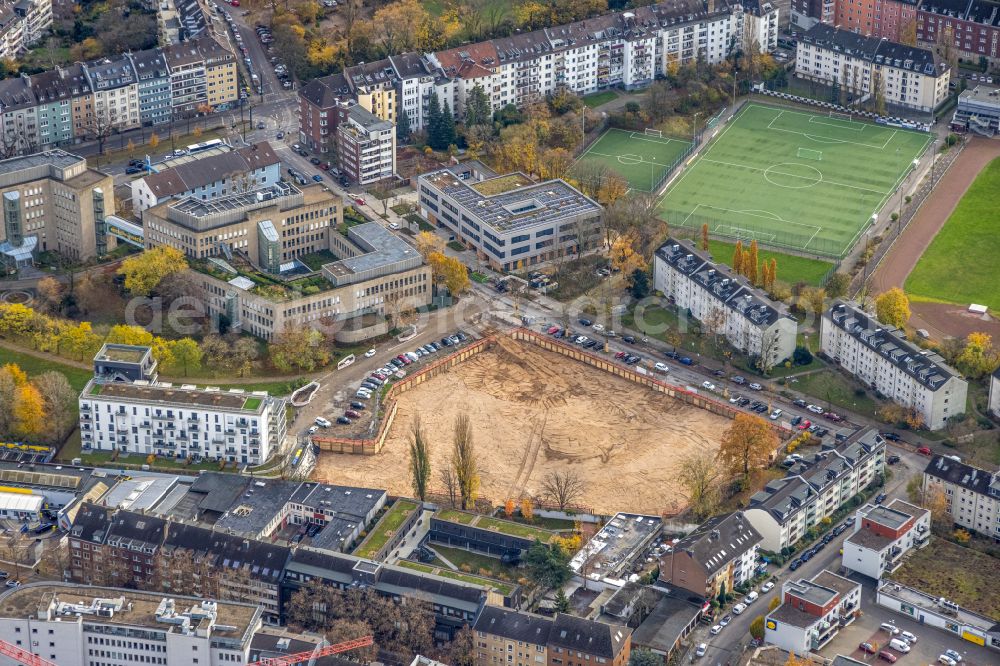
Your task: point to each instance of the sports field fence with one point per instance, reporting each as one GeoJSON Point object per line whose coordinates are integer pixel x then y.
{"type": "Point", "coordinates": [723, 226]}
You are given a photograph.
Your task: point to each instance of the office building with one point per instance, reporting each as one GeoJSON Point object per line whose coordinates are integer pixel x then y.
{"type": "Point", "coordinates": [906, 76]}
{"type": "Point", "coordinates": [973, 494]}
{"type": "Point", "coordinates": [82, 625]}
{"type": "Point", "coordinates": [812, 612]}
{"type": "Point", "coordinates": [207, 178]}
{"type": "Point", "coordinates": [814, 488]}
{"type": "Point", "coordinates": [880, 357]}
{"type": "Point", "coordinates": [719, 555]}
{"type": "Point", "coordinates": [941, 613]}
{"type": "Point", "coordinates": [366, 146]}
{"type": "Point", "coordinates": [147, 417]}
{"type": "Point", "coordinates": [716, 296]}
{"type": "Point", "coordinates": [510, 221]}
{"type": "Point", "coordinates": [377, 277]}
{"type": "Point", "coordinates": [883, 535]}
{"type": "Point", "coordinates": [53, 202]}
{"type": "Point", "coordinates": [978, 111]}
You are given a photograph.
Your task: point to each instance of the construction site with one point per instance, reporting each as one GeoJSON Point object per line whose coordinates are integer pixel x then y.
{"type": "Point", "coordinates": [535, 411]}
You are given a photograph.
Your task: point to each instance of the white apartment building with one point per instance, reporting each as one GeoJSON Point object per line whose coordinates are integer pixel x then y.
{"type": "Point", "coordinates": [366, 146]}
{"type": "Point", "coordinates": [814, 488]}
{"type": "Point", "coordinates": [812, 612]}
{"type": "Point", "coordinates": [143, 416]}
{"type": "Point", "coordinates": [973, 494]}
{"type": "Point", "coordinates": [716, 296]}
{"type": "Point", "coordinates": [994, 404]}
{"type": "Point", "coordinates": [883, 535]}
{"type": "Point", "coordinates": [879, 356]}
{"type": "Point", "coordinates": [83, 625]}
{"type": "Point", "coordinates": [38, 18]}
{"type": "Point", "coordinates": [909, 76]}
{"type": "Point", "coordinates": [116, 94]}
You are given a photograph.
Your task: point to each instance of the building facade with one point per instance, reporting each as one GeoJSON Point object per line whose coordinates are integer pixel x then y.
{"type": "Point", "coordinates": [973, 494]}
{"type": "Point", "coordinates": [814, 488]}
{"type": "Point", "coordinates": [115, 548]}
{"type": "Point", "coordinates": [53, 202]}
{"type": "Point", "coordinates": [510, 221]}
{"type": "Point", "coordinates": [116, 96]}
{"type": "Point", "coordinates": [978, 111]}
{"type": "Point", "coordinates": [905, 76]}
{"type": "Point", "coordinates": [366, 146]}
{"type": "Point", "coordinates": [510, 637]}
{"type": "Point", "coordinates": [879, 356]}
{"type": "Point", "coordinates": [812, 612]}
{"type": "Point", "coordinates": [81, 625]}
{"type": "Point", "coordinates": [883, 535]}
{"type": "Point", "coordinates": [718, 298]}
{"type": "Point", "coordinates": [154, 86]}
{"type": "Point", "coordinates": [719, 555]}
{"type": "Point", "coordinates": [888, 19]}
{"type": "Point", "coordinates": [971, 28]}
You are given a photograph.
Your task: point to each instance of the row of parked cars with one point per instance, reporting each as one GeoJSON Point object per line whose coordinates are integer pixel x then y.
{"type": "Point", "coordinates": [395, 365]}
{"type": "Point", "coordinates": [820, 545]}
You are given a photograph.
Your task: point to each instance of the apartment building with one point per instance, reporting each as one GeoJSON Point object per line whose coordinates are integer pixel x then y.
{"type": "Point", "coordinates": [627, 49]}
{"type": "Point", "coordinates": [82, 625]}
{"type": "Point", "coordinates": [19, 119]}
{"type": "Point", "coordinates": [153, 86]}
{"type": "Point", "coordinates": [814, 488]}
{"type": "Point", "coordinates": [54, 97]}
{"type": "Point", "coordinates": [807, 13]}
{"type": "Point", "coordinates": [973, 494]}
{"type": "Point", "coordinates": [22, 23]}
{"type": "Point", "coordinates": [188, 85]}
{"type": "Point", "coordinates": [53, 202]}
{"type": "Point", "coordinates": [888, 19]}
{"type": "Point", "coordinates": [116, 94]}
{"type": "Point", "coordinates": [574, 641]}
{"type": "Point", "coordinates": [907, 76]}
{"type": "Point", "coordinates": [883, 535]}
{"type": "Point", "coordinates": [148, 417]}
{"type": "Point", "coordinates": [377, 276]}
{"type": "Point", "coordinates": [232, 172]}
{"type": "Point", "coordinates": [994, 403]}
{"type": "Point", "coordinates": [221, 76]}
{"type": "Point", "coordinates": [11, 32]}
{"type": "Point", "coordinates": [880, 357]}
{"type": "Point", "coordinates": [115, 548]}
{"type": "Point", "coordinates": [971, 27]}
{"type": "Point", "coordinates": [505, 636]}
{"type": "Point", "coordinates": [812, 612]}
{"type": "Point", "coordinates": [510, 221]}
{"type": "Point", "coordinates": [718, 298]}
{"type": "Point", "coordinates": [319, 101]}
{"type": "Point", "coordinates": [978, 111]}
{"type": "Point", "coordinates": [719, 555]}
{"type": "Point", "coordinates": [366, 145]}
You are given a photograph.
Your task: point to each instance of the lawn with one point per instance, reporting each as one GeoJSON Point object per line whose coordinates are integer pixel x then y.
{"type": "Point", "coordinates": [385, 528]}
{"type": "Point", "coordinates": [503, 588]}
{"type": "Point", "coordinates": [476, 562]}
{"type": "Point", "coordinates": [316, 260]}
{"type": "Point", "coordinates": [454, 516]}
{"type": "Point", "coordinates": [965, 576]}
{"type": "Point", "coordinates": [32, 365]}
{"type": "Point", "coordinates": [960, 266]}
{"type": "Point", "coordinates": [791, 268]}
{"type": "Point", "coordinates": [640, 159]}
{"type": "Point", "coordinates": [831, 387]}
{"type": "Point", "coordinates": [496, 524]}
{"type": "Point", "coordinates": [600, 98]}
{"type": "Point", "coordinates": [792, 179]}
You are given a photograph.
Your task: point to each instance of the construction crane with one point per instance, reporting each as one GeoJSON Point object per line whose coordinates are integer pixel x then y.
{"type": "Point", "coordinates": [22, 656]}
{"type": "Point", "coordinates": [299, 657]}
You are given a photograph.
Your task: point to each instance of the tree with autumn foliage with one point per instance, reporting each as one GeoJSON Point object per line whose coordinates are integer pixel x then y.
{"type": "Point", "coordinates": [747, 445]}
{"type": "Point", "coordinates": [704, 237]}
{"type": "Point", "coordinates": [978, 357]}
{"type": "Point", "coordinates": [428, 242]}
{"type": "Point", "coordinates": [624, 258]}
{"type": "Point", "coordinates": [144, 272]}
{"type": "Point", "coordinates": [29, 412]}
{"type": "Point", "coordinates": [449, 272]}
{"type": "Point", "coordinates": [738, 258]}
{"type": "Point", "coordinates": [752, 270]}
{"type": "Point", "coordinates": [893, 307]}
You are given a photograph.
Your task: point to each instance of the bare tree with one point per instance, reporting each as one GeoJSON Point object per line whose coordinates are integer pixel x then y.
{"type": "Point", "coordinates": [420, 461]}
{"type": "Point", "coordinates": [101, 125]}
{"type": "Point", "coordinates": [563, 488]}
{"type": "Point", "coordinates": [769, 345]}
{"type": "Point", "coordinates": [447, 477]}
{"type": "Point", "coordinates": [699, 472]}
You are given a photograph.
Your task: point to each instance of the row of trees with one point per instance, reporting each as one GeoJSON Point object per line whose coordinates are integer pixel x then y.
{"type": "Point", "coordinates": [460, 478]}
{"type": "Point", "coordinates": [39, 409]}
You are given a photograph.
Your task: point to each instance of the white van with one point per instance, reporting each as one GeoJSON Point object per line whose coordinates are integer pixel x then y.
{"type": "Point", "coordinates": [899, 645]}
{"type": "Point", "coordinates": [751, 597]}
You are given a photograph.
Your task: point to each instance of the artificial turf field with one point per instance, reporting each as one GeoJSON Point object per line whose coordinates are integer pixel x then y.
{"type": "Point", "coordinates": [803, 181]}
{"type": "Point", "coordinates": [639, 158]}
{"type": "Point", "coordinates": [961, 264]}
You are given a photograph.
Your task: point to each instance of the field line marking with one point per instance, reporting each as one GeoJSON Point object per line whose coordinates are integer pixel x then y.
{"type": "Point", "coordinates": [827, 138]}
{"type": "Point", "coordinates": [891, 137]}
{"type": "Point", "coordinates": [795, 175]}
{"type": "Point", "coordinates": [813, 119]}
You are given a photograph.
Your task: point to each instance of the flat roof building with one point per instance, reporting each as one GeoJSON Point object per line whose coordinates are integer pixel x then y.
{"type": "Point", "coordinates": [880, 357]}
{"type": "Point", "coordinates": [978, 111]}
{"type": "Point", "coordinates": [812, 612]}
{"type": "Point", "coordinates": [511, 221]}
{"type": "Point", "coordinates": [883, 535]}
{"type": "Point", "coordinates": [611, 553]}
{"type": "Point", "coordinates": [366, 145]}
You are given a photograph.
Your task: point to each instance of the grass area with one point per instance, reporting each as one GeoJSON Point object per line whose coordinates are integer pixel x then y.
{"type": "Point", "coordinates": [479, 277]}
{"type": "Point", "coordinates": [834, 388]}
{"type": "Point", "coordinates": [515, 529]}
{"type": "Point", "coordinates": [968, 239]}
{"type": "Point", "coordinates": [477, 563]}
{"type": "Point", "coordinates": [962, 575]}
{"type": "Point", "coordinates": [456, 246]}
{"type": "Point", "coordinates": [600, 98]}
{"type": "Point", "coordinates": [385, 528]}
{"type": "Point", "coordinates": [501, 184]}
{"type": "Point", "coordinates": [103, 458]}
{"type": "Point", "coordinates": [791, 268]}
{"type": "Point", "coordinates": [454, 516]}
{"type": "Point", "coordinates": [252, 403]}
{"type": "Point", "coordinates": [32, 365]}
{"type": "Point", "coordinates": [641, 160]}
{"type": "Point", "coordinates": [71, 448]}
{"type": "Point", "coordinates": [791, 179]}
{"type": "Point", "coordinates": [316, 260]}
{"type": "Point", "coordinates": [503, 588]}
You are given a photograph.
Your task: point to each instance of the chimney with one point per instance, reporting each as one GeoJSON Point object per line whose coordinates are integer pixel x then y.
{"type": "Point", "coordinates": [711, 6]}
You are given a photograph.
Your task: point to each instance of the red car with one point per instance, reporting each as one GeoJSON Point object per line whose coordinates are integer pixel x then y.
{"type": "Point", "coordinates": [360, 201]}
{"type": "Point", "coordinates": [887, 656]}
{"type": "Point", "coordinates": [325, 166]}
{"type": "Point", "coordinates": [620, 355]}
{"type": "Point", "coordinates": [805, 424]}
{"type": "Point", "coordinates": [867, 648]}
{"type": "Point", "coordinates": [553, 330]}
{"type": "Point", "coordinates": [234, 3]}
{"type": "Point", "coordinates": [924, 451]}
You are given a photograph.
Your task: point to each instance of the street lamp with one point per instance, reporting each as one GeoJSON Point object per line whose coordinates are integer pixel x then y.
{"type": "Point", "coordinates": [694, 128]}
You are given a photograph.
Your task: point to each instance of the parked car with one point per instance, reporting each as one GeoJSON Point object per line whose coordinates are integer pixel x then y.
{"type": "Point", "coordinates": [775, 415]}
{"type": "Point", "coordinates": [899, 645]}
{"type": "Point", "coordinates": [889, 628]}
{"type": "Point", "coordinates": [796, 420]}
{"type": "Point", "coordinates": [767, 587]}
{"type": "Point", "coordinates": [726, 619]}
{"type": "Point", "coordinates": [357, 405]}
{"type": "Point", "coordinates": [739, 380]}
{"type": "Point", "coordinates": [908, 637]}
{"type": "Point", "coordinates": [796, 563]}
{"type": "Point", "coordinates": [946, 660]}
{"type": "Point", "coordinates": [700, 650]}
{"type": "Point", "coordinates": [715, 630]}
{"type": "Point", "coordinates": [708, 386]}
{"type": "Point", "coordinates": [322, 423]}
{"type": "Point", "coordinates": [686, 361]}
{"type": "Point", "coordinates": [799, 403]}
{"type": "Point", "coordinates": [867, 648]}
{"type": "Point", "coordinates": [891, 436]}
{"type": "Point", "coordinates": [953, 655]}
{"type": "Point", "coordinates": [804, 425]}
{"type": "Point", "coordinates": [629, 339]}
{"type": "Point", "coordinates": [756, 387]}
{"type": "Point", "coordinates": [661, 367]}
{"type": "Point", "coordinates": [887, 656]}
{"type": "Point", "coordinates": [924, 451]}
{"type": "Point", "coordinates": [598, 327]}
{"type": "Point", "coordinates": [585, 322]}
{"type": "Point", "coordinates": [370, 353]}
{"type": "Point", "coordinates": [893, 459]}
{"type": "Point", "coordinates": [739, 608]}
{"type": "Point", "coordinates": [343, 420]}
{"type": "Point", "coordinates": [350, 413]}
{"type": "Point", "coordinates": [814, 409]}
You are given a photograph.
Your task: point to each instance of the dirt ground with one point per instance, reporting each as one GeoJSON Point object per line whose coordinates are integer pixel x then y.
{"type": "Point", "coordinates": [941, 320]}
{"type": "Point", "coordinates": [534, 412]}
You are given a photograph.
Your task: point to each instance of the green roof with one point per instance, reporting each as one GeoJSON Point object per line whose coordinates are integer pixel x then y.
{"type": "Point", "coordinates": [502, 587]}
{"type": "Point", "coordinates": [508, 527]}
{"type": "Point", "coordinates": [385, 528]}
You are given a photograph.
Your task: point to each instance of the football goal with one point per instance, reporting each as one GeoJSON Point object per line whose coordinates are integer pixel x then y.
{"type": "Point", "coordinates": [649, 131]}
{"type": "Point", "coordinates": [810, 154]}
{"type": "Point", "coordinates": [842, 116]}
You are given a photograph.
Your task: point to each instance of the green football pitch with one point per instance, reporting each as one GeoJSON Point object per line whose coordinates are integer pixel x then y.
{"type": "Point", "coordinates": [639, 158]}
{"type": "Point", "coordinates": [789, 179]}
